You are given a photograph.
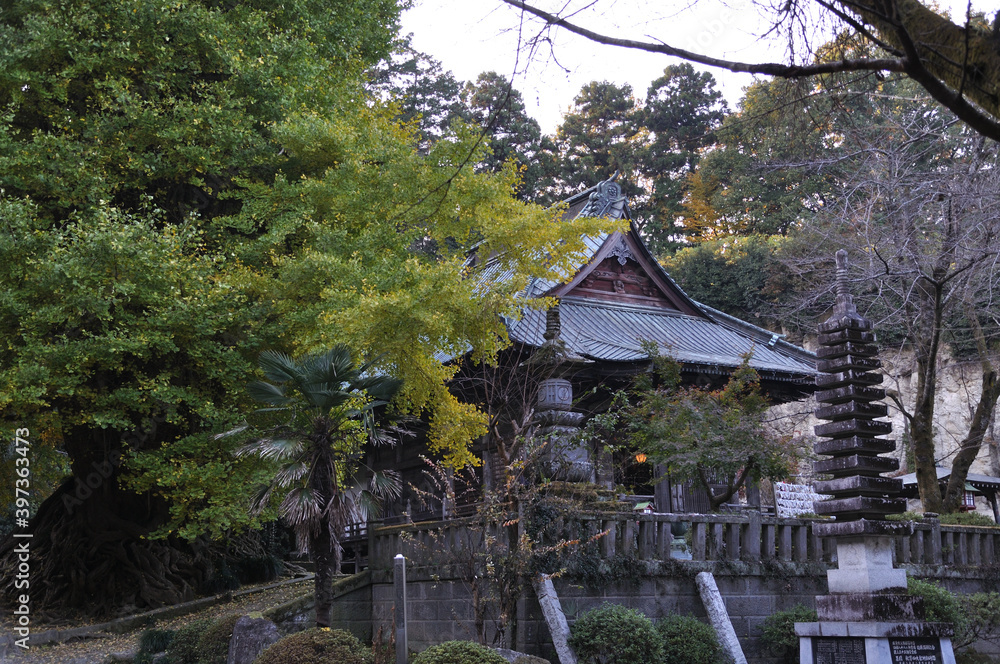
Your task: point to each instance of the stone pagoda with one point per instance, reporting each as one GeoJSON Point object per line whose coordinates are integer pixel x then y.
{"type": "Point", "coordinates": [868, 617]}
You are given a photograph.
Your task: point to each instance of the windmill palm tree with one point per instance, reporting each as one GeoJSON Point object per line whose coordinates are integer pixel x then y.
{"type": "Point", "coordinates": [328, 405]}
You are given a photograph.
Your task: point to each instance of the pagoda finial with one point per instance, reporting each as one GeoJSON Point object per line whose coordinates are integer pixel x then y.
{"type": "Point", "coordinates": [553, 325]}
{"type": "Point", "coordinates": [844, 306]}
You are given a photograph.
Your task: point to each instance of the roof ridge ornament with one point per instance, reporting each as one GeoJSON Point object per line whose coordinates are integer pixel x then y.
{"type": "Point", "coordinates": [606, 200]}
{"type": "Point", "coordinates": [622, 252]}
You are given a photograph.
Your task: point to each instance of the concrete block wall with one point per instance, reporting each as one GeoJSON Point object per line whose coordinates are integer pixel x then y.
{"type": "Point", "coordinates": [750, 597]}
{"type": "Point", "coordinates": [440, 606]}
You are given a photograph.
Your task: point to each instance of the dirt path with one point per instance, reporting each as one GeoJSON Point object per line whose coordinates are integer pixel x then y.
{"type": "Point", "coordinates": [96, 650]}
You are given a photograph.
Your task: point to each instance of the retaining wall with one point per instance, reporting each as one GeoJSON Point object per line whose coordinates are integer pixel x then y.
{"type": "Point", "coordinates": [440, 603]}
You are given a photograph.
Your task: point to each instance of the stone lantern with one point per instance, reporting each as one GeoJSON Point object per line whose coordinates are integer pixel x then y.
{"type": "Point", "coordinates": [564, 457]}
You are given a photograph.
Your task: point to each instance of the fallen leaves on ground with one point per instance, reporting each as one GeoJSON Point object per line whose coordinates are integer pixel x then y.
{"type": "Point", "coordinates": [95, 650]}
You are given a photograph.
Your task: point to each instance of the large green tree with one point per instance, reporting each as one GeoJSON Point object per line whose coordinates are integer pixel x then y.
{"type": "Point", "coordinates": [598, 137]}
{"type": "Point", "coordinates": [495, 105]}
{"type": "Point", "coordinates": [183, 186]}
{"type": "Point", "coordinates": [426, 94]}
{"type": "Point", "coordinates": [774, 165]}
{"type": "Point", "coordinates": [682, 111]}
{"type": "Point", "coordinates": [130, 131]}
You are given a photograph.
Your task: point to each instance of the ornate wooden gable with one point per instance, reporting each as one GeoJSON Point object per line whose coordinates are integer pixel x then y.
{"type": "Point", "coordinates": [622, 270]}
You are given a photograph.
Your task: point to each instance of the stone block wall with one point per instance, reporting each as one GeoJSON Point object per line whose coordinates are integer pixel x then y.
{"type": "Point", "coordinates": [353, 609]}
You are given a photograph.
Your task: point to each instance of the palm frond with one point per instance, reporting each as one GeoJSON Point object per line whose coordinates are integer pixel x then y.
{"type": "Point", "coordinates": [341, 512]}
{"type": "Point", "coordinates": [260, 498]}
{"type": "Point", "coordinates": [386, 484]}
{"type": "Point", "coordinates": [279, 449]}
{"type": "Point", "coordinates": [380, 388]}
{"type": "Point", "coordinates": [277, 367]}
{"type": "Point", "coordinates": [381, 437]}
{"type": "Point", "coordinates": [326, 397]}
{"type": "Point", "coordinates": [291, 473]}
{"type": "Point", "coordinates": [368, 506]}
{"type": "Point", "coordinates": [268, 393]}
{"type": "Point", "coordinates": [232, 432]}
{"type": "Point", "coordinates": [301, 507]}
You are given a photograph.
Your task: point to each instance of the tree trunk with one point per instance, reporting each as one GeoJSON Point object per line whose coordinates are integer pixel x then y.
{"type": "Point", "coordinates": [717, 500]}
{"type": "Point", "coordinates": [89, 558]}
{"type": "Point", "coordinates": [324, 544]}
{"type": "Point", "coordinates": [926, 345]}
{"type": "Point", "coordinates": [321, 545]}
{"type": "Point", "coordinates": [969, 449]}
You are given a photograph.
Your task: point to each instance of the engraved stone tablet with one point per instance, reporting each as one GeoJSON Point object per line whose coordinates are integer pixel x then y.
{"type": "Point", "coordinates": [838, 651]}
{"type": "Point", "coordinates": [915, 651]}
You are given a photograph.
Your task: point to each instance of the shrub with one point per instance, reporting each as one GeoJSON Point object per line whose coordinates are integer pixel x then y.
{"type": "Point", "coordinates": [151, 642]}
{"type": "Point", "coordinates": [183, 648]}
{"type": "Point", "coordinates": [213, 644]}
{"type": "Point", "coordinates": [778, 631]}
{"type": "Point", "coordinates": [973, 657]}
{"type": "Point", "coordinates": [974, 616]}
{"type": "Point", "coordinates": [458, 652]}
{"type": "Point", "coordinates": [687, 640]}
{"type": "Point", "coordinates": [613, 634]}
{"type": "Point", "coordinates": [317, 646]}
{"type": "Point", "coordinates": [905, 516]}
{"type": "Point", "coordinates": [940, 605]}
{"type": "Point", "coordinates": [968, 519]}
{"type": "Point", "coordinates": [983, 613]}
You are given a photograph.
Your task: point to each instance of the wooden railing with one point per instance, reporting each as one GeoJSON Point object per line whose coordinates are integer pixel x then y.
{"type": "Point", "coordinates": [748, 537]}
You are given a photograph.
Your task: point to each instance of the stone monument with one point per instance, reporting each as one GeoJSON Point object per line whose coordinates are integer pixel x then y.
{"type": "Point", "coordinates": [868, 617]}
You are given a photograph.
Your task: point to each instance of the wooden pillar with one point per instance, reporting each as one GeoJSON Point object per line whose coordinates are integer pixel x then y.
{"type": "Point", "coordinates": [662, 499]}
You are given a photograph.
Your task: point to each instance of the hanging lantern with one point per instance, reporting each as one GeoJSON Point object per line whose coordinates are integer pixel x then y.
{"type": "Point", "coordinates": [640, 457]}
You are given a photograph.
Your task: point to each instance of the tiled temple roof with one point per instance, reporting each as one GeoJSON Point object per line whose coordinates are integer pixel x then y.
{"type": "Point", "coordinates": [612, 326]}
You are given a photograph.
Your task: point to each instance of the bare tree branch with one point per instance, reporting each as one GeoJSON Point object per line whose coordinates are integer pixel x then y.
{"type": "Point", "coordinates": [766, 68]}
{"type": "Point", "coordinates": [886, 24]}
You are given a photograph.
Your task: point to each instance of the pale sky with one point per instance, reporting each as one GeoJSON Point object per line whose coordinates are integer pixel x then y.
{"type": "Point", "coordinates": [473, 36]}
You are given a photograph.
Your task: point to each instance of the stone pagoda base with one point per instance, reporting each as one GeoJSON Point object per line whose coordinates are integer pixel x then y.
{"type": "Point", "coordinates": [830, 642]}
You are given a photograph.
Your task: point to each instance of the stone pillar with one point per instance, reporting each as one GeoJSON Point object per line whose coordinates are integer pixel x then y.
{"type": "Point", "coordinates": [399, 582]}
{"type": "Point", "coordinates": [868, 614]}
